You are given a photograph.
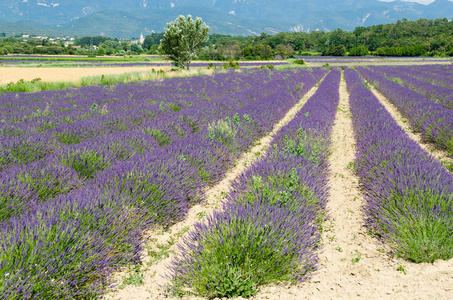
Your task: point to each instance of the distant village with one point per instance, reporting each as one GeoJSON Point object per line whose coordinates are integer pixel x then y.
{"type": "Point", "coordinates": [39, 44]}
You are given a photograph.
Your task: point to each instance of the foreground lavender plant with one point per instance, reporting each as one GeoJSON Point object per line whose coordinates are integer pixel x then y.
{"type": "Point", "coordinates": [409, 195]}
{"type": "Point", "coordinates": [68, 248]}
{"type": "Point", "coordinates": [241, 248]}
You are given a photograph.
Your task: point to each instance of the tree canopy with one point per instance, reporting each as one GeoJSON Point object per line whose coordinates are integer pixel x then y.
{"type": "Point", "coordinates": [182, 38]}
{"type": "Point", "coordinates": [403, 38]}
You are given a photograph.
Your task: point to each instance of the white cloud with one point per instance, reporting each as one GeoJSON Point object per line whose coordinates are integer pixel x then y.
{"type": "Point", "coordinates": [426, 2]}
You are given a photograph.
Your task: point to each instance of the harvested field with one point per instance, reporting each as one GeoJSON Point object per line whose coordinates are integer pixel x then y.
{"type": "Point", "coordinates": [14, 74]}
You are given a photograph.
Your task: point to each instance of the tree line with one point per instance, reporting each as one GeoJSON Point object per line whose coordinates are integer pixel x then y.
{"type": "Point", "coordinates": [403, 38]}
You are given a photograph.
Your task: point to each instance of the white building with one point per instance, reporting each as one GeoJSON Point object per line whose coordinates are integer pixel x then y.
{"type": "Point", "coordinates": [139, 41]}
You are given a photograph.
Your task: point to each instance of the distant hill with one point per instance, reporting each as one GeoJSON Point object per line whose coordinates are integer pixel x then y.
{"type": "Point", "coordinates": [128, 18]}
{"type": "Point", "coordinates": [132, 23]}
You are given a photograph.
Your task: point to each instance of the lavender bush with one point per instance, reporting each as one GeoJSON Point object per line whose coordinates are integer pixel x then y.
{"type": "Point", "coordinates": [240, 248]}
{"type": "Point", "coordinates": [68, 249]}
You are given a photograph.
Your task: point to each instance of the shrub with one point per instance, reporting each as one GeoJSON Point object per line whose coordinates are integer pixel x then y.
{"type": "Point", "coordinates": [359, 51]}
{"type": "Point", "coordinates": [231, 65]}
{"type": "Point", "coordinates": [87, 162]}
{"type": "Point", "coordinates": [239, 249]}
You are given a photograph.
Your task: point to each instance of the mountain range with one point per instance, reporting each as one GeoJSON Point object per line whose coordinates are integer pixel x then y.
{"type": "Point", "coordinates": [129, 18]}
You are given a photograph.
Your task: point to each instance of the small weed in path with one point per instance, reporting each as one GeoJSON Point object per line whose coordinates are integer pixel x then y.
{"type": "Point", "coordinates": [135, 277]}
{"type": "Point", "coordinates": [356, 257]}
{"type": "Point", "coordinates": [402, 268]}
{"type": "Point", "coordinates": [200, 215]}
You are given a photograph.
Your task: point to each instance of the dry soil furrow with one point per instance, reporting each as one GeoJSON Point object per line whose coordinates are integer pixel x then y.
{"type": "Point", "coordinates": [152, 274]}
{"type": "Point", "coordinates": [352, 264]}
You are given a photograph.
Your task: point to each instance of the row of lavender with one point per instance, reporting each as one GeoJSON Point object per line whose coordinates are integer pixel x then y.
{"type": "Point", "coordinates": [432, 120]}
{"type": "Point", "coordinates": [440, 75]}
{"type": "Point", "coordinates": [71, 240]}
{"type": "Point", "coordinates": [409, 195]}
{"type": "Point", "coordinates": [268, 230]}
{"type": "Point", "coordinates": [438, 94]}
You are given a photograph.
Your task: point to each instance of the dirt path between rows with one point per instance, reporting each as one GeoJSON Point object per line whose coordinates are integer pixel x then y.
{"type": "Point", "coordinates": [150, 286]}
{"type": "Point", "coordinates": [352, 265]}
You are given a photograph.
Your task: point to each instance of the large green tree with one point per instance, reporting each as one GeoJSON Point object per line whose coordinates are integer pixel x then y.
{"type": "Point", "coordinates": [284, 50]}
{"type": "Point", "coordinates": [182, 38]}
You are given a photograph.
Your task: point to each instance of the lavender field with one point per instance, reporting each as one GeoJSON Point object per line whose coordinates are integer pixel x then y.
{"type": "Point", "coordinates": [289, 188]}
{"type": "Point", "coordinates": [87, 174]}
{"type": "Point", "coordinates": [86, 171]}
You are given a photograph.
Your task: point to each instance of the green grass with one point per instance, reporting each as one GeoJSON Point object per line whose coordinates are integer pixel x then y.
{"type": "Point", "coordinates": [288, 184]}
{"type": "Point", "coordinates": [86, 163]}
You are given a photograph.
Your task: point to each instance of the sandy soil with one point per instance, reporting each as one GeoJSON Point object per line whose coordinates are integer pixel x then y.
{"type": "Point", "coordinates": [154, 274]}
{"type": "Point", "coordinates": [14, 74]}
